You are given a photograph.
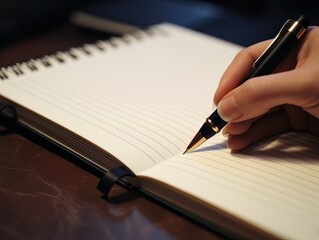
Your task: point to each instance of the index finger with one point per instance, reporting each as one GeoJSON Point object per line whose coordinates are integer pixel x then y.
{"type": "Point", "coordinates": [239, 69]}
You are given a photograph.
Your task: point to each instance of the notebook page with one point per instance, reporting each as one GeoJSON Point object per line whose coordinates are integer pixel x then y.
{"type": "Point", "coordinates": [273, 184]}
{"type": "Point", "coordinates": [134, 98]}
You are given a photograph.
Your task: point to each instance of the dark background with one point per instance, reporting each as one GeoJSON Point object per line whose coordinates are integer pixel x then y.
{"type": "Point", "coordinates": [20, 18]}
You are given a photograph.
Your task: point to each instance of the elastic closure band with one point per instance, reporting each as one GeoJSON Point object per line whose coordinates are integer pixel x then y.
{"type": "Point", "coordinates": [110, 178]}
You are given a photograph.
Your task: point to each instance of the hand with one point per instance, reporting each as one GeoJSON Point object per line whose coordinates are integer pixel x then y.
{"type": "Point", "coordinates": [287, 99]}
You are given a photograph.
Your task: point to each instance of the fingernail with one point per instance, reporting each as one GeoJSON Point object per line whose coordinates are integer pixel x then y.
{"type": "Point", "coordinates": [227, 142]}
{"type": "Point", "coordinates": [225, 131]}
{"type": "Point", "coordinates": [228, 109]}
{"type": "Point", "coordinates": [214, 106]}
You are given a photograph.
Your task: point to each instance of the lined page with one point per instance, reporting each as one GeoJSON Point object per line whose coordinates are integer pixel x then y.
{"type": "Point", "coordinates": [273, 184]}
{"type": "Point", "coordinates": [141, 99]}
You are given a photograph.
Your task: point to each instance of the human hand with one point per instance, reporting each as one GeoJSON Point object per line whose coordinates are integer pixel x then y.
{"type": "Point", "coordinates": [287, 99]}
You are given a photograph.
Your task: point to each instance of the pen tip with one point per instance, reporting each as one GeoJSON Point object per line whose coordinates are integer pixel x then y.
{"type": "Point", "coordinates": [197, 140]}
{"type": "Point", "coordinates": [186, 151]}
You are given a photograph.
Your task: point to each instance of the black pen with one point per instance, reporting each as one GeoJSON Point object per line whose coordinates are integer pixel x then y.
{"type": "Point", "coordinates": [285, 40]}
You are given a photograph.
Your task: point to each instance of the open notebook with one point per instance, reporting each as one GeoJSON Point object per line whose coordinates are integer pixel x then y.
{"type": "Point", "coordinates": [138, 100]}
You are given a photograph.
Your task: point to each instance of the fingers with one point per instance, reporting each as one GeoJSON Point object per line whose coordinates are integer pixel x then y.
{"type": "Point", "coordinates": [258, 95]}
{"type": "Point", "coordinates": [269, 125]}
{"type": "Point", "coordinates": [241, 127]}
{"type": "Point", "coordinates": [239, 69]}
{"type": "Point", "coordinates": [239, 102]}
{"type": "Point", "coordinates": [278, 120]}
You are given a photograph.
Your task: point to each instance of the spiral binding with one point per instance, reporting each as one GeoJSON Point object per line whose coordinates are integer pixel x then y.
{"type": "Point", "coordinates": [61, 57]}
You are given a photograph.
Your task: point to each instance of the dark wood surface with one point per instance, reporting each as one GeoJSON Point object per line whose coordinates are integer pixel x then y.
{"type": "Point", "coordinates": [45, 195]}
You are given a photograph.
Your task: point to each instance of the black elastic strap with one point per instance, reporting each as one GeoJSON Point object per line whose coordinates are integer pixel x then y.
{"type": "Point", "coordinates": [110, 178]}
{"type": "Point", "coordinates": [8, 111]}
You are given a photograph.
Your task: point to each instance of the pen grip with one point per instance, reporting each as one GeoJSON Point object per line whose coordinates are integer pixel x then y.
{"type": "Point", "coordinates": [213, 122]}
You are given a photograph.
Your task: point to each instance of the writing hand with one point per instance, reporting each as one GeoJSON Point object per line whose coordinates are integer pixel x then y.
{"type": "Point", "coordinates": [287, 99]}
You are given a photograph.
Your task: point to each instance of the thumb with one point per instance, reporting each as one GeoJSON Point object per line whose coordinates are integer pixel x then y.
{"type": "Point", "coordinates": [258, 95]}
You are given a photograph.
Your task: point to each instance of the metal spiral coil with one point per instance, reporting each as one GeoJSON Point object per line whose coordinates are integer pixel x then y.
{"type": "Point", "coordinates": [74, 54]}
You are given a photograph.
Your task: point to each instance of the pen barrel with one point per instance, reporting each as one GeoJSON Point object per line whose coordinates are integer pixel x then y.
{"type": "Point", "coordinates": [275, 56]}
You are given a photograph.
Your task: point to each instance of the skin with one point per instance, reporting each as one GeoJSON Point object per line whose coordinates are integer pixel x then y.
{"type": "Point", "coordinates": [286, 100]}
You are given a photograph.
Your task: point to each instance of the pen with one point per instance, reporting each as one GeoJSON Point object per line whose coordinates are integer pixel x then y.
{"type": "Point", "coordinates": [285, 40]}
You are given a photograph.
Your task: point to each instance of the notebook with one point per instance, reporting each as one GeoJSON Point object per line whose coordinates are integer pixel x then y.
{"type": "Point", "coordinates": [135, 102]}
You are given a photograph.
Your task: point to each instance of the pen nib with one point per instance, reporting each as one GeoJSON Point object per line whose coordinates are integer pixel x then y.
{"type": "Point", "coordinates": [197, 140]}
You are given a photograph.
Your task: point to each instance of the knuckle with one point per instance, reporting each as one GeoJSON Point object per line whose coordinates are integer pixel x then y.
{"type": "Point", "coordinates": [253, 91]}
